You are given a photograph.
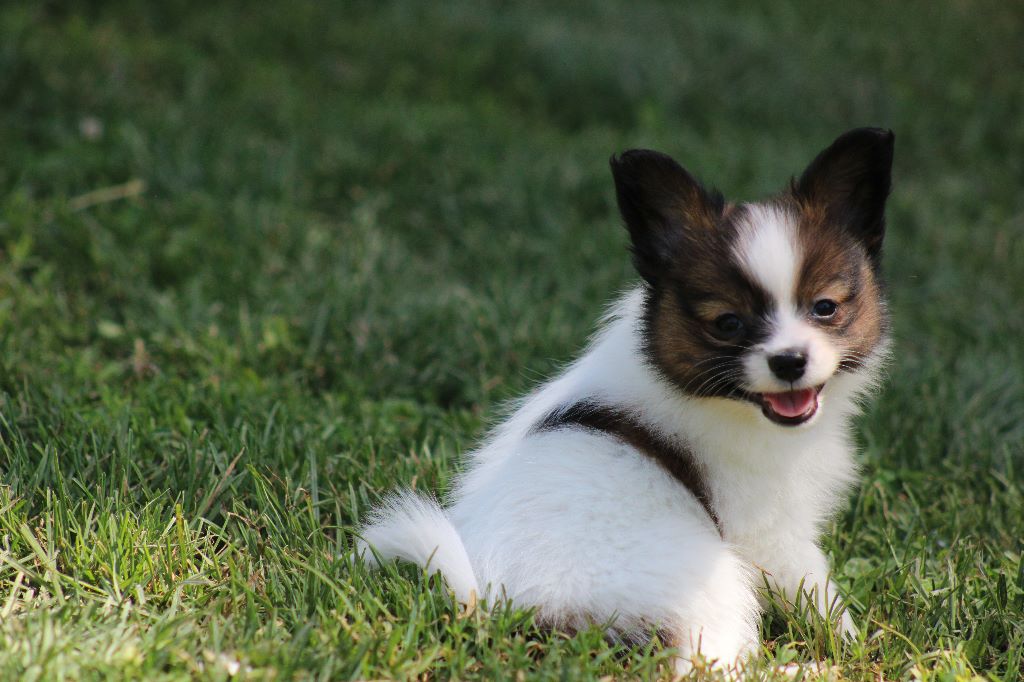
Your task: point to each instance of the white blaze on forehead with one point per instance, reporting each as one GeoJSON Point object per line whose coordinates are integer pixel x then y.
{"type": "Point", "coordinates": [768, 250]}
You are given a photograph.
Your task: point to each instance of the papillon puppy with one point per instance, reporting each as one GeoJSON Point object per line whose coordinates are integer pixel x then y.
{"type": "Point", "coordinates": [695, 451]}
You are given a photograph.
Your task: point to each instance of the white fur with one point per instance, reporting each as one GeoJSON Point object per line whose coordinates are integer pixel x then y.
{"type": "Point", "coordinates": [768, 249]}
{"type": "Point", "coordinates": [414, 528]}
{"type": "Point", "coordinates": [588, 530]}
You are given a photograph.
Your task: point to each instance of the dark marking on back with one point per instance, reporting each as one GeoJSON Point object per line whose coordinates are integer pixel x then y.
{"type": "Point", "coordinates": [678, 461]}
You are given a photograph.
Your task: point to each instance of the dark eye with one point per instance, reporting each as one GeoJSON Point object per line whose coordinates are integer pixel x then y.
{"type": "Point", "coordinates": [824, 308]}
{"type": "Point", "coordinates": [728, 326]}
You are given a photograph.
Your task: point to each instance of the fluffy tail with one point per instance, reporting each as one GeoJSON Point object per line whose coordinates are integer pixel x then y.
{"type": "Point", "coordinates": [415, 528]}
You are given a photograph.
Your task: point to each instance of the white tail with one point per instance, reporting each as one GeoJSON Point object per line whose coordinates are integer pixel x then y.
{"type": "Point", "coordinates": [414, 528]}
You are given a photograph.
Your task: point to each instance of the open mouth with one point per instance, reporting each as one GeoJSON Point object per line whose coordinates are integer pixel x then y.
{"type": "Point", "coordinates": [790, 408]}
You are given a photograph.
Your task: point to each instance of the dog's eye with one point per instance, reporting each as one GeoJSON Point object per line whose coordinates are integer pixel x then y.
{"type": "Point", "coordinates": [728, 326]}
{"type": "Point", "coordinates": [824, 308]}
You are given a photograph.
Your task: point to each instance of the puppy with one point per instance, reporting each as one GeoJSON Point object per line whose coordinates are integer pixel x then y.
{"type": "Point", "coordinates": [704, 436]}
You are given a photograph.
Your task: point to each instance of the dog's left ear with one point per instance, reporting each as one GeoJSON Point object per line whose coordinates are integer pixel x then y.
{"type": "Point", "coordinates": [664, 208]}
{"type": "Point", "coordinates": [851, 181]}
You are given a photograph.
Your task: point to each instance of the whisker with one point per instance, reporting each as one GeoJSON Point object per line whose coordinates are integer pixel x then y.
{"type": "Point", "coordinates": [727, 374]}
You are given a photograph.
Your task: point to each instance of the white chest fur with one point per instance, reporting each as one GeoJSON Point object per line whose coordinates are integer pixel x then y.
{"type": "Point", "coordinates": [772, 487]}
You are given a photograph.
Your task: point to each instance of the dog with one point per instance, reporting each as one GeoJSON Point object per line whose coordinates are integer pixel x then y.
{"type": "Point", "coordinates": [694, 452]}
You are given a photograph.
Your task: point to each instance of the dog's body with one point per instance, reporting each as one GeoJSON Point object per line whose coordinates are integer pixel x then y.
{"type": "Point", "coordinates": [702, 438]}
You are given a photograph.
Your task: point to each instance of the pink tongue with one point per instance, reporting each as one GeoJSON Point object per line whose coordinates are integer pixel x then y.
{"type": "Point", "coordinates": [792, 403]}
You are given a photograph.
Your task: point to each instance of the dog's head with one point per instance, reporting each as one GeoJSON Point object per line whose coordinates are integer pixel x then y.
{"type": "Point", "coordinates": [765, 302]}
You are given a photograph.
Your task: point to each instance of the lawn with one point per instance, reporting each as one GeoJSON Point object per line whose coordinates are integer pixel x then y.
{"type": "Point", "coordinates": [259, 263]}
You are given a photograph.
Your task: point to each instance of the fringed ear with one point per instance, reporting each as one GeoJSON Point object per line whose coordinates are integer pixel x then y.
{"type": "Point", "coordinates": [850, 181]}
{"type": "Point", "coordinates": [661, 205]}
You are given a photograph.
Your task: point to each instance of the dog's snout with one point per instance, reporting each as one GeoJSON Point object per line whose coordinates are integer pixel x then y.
{"type": "Point", "coordinates": [789, 365]}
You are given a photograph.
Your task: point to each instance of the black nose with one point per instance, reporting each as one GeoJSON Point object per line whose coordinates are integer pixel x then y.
{"type": "Point", "coordinates": [789, 365]}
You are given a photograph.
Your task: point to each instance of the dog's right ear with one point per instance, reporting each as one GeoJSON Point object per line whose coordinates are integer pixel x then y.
{"type": "Point", "coordinates": [663, 206]}
{"type": "Point", "coordinates": [850, 181]}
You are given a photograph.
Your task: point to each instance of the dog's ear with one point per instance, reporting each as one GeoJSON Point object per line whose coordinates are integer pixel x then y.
{"type": "Point", "coordinates": [850, 181]}
{"type": "Point", "coordinates": [662, 205]}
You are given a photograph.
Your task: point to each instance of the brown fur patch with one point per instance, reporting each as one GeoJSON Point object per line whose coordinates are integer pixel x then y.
{"type": "Point", "coordinates": [837, 267]}
{"type": "Point", "coordinates": [683, 348]}
{"type": "Point", "coordinates": [679, 321]}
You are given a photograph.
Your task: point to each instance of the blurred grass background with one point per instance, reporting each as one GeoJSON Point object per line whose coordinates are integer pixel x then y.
{"type": "Point", "coordinates": [261, 262]}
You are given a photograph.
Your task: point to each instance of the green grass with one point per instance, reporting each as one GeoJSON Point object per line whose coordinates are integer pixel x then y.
{"type": "Point", "coordinates": [355, 229]}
